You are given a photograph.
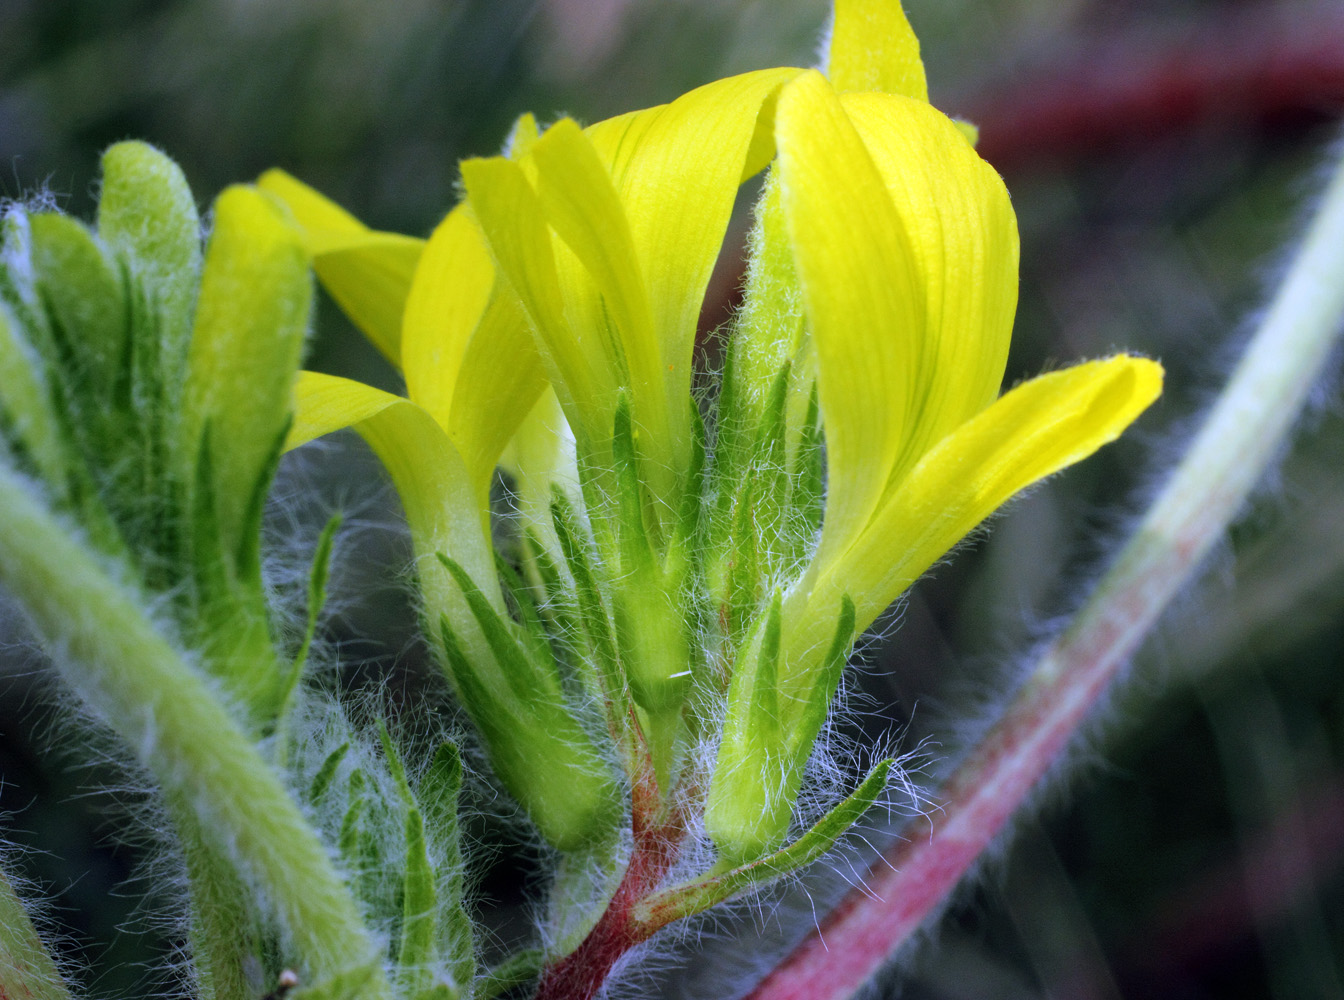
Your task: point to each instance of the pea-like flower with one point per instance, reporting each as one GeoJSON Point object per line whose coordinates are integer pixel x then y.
{"type": "Point", "coordinates": [698, 564]}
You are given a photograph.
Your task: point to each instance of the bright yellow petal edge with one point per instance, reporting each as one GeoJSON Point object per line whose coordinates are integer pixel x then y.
{"type": "Point", "coordinates": [367, 272]}
{"type": "Point", "coordinates": [1033, 431]}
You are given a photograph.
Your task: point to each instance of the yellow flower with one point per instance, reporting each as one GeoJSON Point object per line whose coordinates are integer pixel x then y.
{"type": "Point", "coordinates": [549, 323]}
{"type": "Point", "coordinates": [905, 248]}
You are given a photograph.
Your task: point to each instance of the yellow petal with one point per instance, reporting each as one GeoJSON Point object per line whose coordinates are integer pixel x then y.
{"type": "Point", "coordinates": [447, 299]}
{"type": "Point", "coordinates": [1035, 430]}
{"type": "Point", "coordinates": [872, 47]}
{"type": "Point", "coordinates": [677, 168]}
{"type": "Point", "coordinates": [962, 234]}
{"type": "Point", "coordinates": [514, 224]}
{"type": "Point", "coordinates": [862, 294]}
{"type": "Point", "coordinates": [502, 380]}
{"type": "Point", "coordinates": [432, 480]}
{"type": "Point", "coordinates": [582, 206]}
{"type": "Point", "coordinates": [367, 272]}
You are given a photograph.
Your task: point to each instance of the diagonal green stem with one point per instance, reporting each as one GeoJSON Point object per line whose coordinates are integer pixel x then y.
{"type": "Point", "coordinates": [109, 651]}
{"type": "Point", "coordinates": [1240, 438]}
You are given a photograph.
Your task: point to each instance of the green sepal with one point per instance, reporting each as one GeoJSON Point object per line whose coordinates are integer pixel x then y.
{"type": "Point", "coordinates": [438, 794]}
{"type": "Point", "coordinates": [416, 951]}
{"type": "Point", "coordinates": [767, 737]}
{"type": "Point", "coordinates": [650, 628]}
{"type": "Point", "coordinates": [764, 680]}
{"type": "Point", "coordinates": [394, 766]}
{"type": "Point", "coordinates": [18, 285]}
{"type": "Point", "coordinates": [348, 984]}
{"type": "Point", "coordinates": [416, 945]}
{"type": "Point", "coordinates": [247, 555]}
{"type": "Point", "coordinates": [355, 841]}
{"type": "Point", "coordinates": [26, 414]}
{"type": "Point", "coordinates": [529, 618]}
{"type": "Point", "coordinates": [817, 702]}
{"type": "Point", "coordinates": [680, 901]}
{"type": "Point", "coordinates": [635, 532]}
{"type": "Point", "coordinates": [690, 523]}
{"type": "Point", "coordinates": [326, 773]}
{"type": "Point", "coordinates": [523, 675]}
{"type": "Point", "coordinates": [318, 575]}
{"type": "Point", "coordinates": [541, 754]}
{"type": "Point", "coordinates": [517, 970]}
{"type": "Point", "coordinates": [770, 497]}
{"type": "Point", "coordinates": [560, 608]}
{"type": "Point", "coordinates": [745, 562]}
{"type": "Point", "coordinates": [596, 622]}
{"type": "Point", "coordinates": [807, 482]}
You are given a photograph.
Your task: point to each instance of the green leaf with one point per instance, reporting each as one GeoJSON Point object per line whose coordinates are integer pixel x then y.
{"type": "Point", "coordinates": [26, 967]}
{"type": "Point", "coordinates": [317, 599]}
{"type": "Point", "coordinates": [438, 798]}
{"type": "Point", "coordinates": [326, 773]}
{"type": "Point", "coordinates": [679, 901]}
{"type": "Point", "coordinates": [26, 414]}
{"type": "Point", "coordinates": [147, 215]}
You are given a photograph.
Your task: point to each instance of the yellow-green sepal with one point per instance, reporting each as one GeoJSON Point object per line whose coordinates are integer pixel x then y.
{"type": "Point", "coordinates": [248, 336]}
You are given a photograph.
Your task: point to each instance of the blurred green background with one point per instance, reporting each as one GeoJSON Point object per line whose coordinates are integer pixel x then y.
{"type": "Point", "coordinates": [1161, 154]}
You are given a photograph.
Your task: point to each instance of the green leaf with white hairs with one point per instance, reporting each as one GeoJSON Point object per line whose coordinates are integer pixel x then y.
{"type": "Point", "coordinates": [147, 215]}
{"type": "Point", "coordinates": [438, 794]}
{"type": "Point", "coordinates": [679, 901]}
{"type": "Point", "coordinates": [26, 967]}
{"type": "Point", "coordinates": [26, 414]}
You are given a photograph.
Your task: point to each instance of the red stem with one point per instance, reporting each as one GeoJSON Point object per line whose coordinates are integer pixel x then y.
{"type": "Point", "coordinates": [581, 973]}
{"type": "Point", "coordinates": [914, 877]}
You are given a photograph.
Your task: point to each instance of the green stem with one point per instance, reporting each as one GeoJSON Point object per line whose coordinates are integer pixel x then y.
{"type": "Point", "coordinates": [107, 649]}
{"type": "Point", "coordinates": [222, 929]}
{"type": "Point", "coordinates": [1240, 438]}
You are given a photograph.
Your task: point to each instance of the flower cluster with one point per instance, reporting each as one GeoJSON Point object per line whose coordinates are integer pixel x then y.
{"type": "Point", "coordinates": [698, 566]}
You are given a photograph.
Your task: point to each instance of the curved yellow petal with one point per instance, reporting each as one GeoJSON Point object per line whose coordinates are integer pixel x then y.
{"type": "Point", "coordinates": [863, 297]}
{"type": "Point", "coordinates": [432, 480]}
{"type": "Point", "coordinates": [582, 206]}
{"type": "Point", "coordinates": [872, 47]}
{"type": "Point", "coordinates": [1031, 432]}
{"type": "Point", "coordinates": [502, 378]}
{"type": "Point", "coordinates": [676, 169]}
{"type": "Point", "coordinates": [447, 298]}
{"type": "Point", "coordinates": [962, 235]}
{"type": "Point", "coordinates": [367, 272]}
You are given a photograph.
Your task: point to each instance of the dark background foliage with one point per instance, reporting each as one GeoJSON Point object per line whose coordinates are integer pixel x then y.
{"type": "Point", "coordinates": [1161, 153]}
